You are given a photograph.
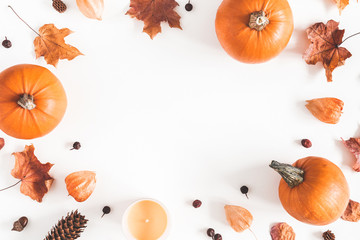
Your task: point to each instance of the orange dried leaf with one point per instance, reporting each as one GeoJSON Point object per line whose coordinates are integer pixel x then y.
{"type": "Point", "coordinates": [353, 144]}
{"type": "Point", "coordinates": [2, 143]}
{"type": "Point", "coordinates": [352, 212]}
{"type": "Point", "coordinates": [34, 176]}
{"type": "Point", "coordinates": [51, 44]}
{"type": "Point", "coordinates": [153, 12]}
{"type": "Point", "coordinates": [327, 110]}
{"type": "Point", "coordinates": [325, 46]}
{"type": "Point", "coordinates": [341, 4]}
{"type": "Point", "coordinates": [238, 217]}
{"type": "Point", "coordinates": [80, 185]}
{"type": "Point", "coordinates": [282, 231]}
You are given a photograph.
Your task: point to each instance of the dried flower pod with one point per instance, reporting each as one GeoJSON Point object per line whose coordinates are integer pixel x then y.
{"type": "Point", "coordinates": [80, 185]}
{"type": "Point", "coordinates": [282, 231]}
{"type": "Point", "coordinates": [20, 224]}
{"type": "Point", "coordinates": [328, 235]}
{"type": "Point", "coordinates": [327, 110]}
{"type": "Point", "coordinates": [91, 8]}
{"type": "Point", "coordinates": [352, 212]}
{"type": "Point", "coordinates": [238, 217]}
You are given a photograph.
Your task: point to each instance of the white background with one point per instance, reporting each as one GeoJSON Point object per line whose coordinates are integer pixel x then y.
{"type": "Point", "coordinates": [175, 118]}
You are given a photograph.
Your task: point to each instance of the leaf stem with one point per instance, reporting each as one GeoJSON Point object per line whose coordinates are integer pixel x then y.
{"type": "Point", "coordinates": [349, 37]}
{"type": "Point", "coordinates": [253, 233]}
{"type": "Point", "coordinates": [23, 21]}
{"type": "Point", "coordinates": [11, 186]}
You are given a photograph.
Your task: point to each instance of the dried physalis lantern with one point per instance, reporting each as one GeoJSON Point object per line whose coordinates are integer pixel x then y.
{"type": "Point", "coordinates": [327, 110]}
{"type": "Point", "coordinates": [81, 185]}
{"type": "Point", "coordinates": [352, 212]}
{"type": "Point", "coordinates": [91, 8]}
{"type": "Point", "coordinates": [238, 217]}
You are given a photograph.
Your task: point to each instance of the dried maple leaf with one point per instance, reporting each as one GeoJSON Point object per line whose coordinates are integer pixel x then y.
{"type": "Point", "coordinates": [352, 212]}
{"type": "Point", "coordinates": [2, 143]}
{"type": "Point", "coordinates": [153, 12]}
{"type": "Point", "coordinates": [353, 144]}
{"type": "Point", "coordinates": [51, 44]}
{"type": "Point", "coordinates": [282, 231]}
{"type": "Point", "coordinates": [238, 217]}
{"type": "Point", "coordinates": [34, 177]}
{"type": "Point", "coordinates": [325, 46]}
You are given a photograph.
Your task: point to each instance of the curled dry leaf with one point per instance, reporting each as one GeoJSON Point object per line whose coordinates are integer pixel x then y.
{"type": "Point", "coordinates": [353, 144]}
{"type": "Point", "coordinates": [327, 110]}
{"type": "Point", "coordinates": [34, 176]}
{"type": "Point", "coordinates": [282, 231]}
{"type": "Point", "coordinates": [2, 143]}
{"type": "Point", "coordinates": [51, 44]}
{"type": "Point", "coordinates": [325, 46]}
{"type": "Point", "coordinates": [91, 8]}
{"type": "Point", "coordinates": [153, 12]}
{"type": "Point", "coordinates": [238, 217]}
{"type": "Point", "coordinates": [80, 185]}
{"type": "Point", "coordinates": [352, 212]}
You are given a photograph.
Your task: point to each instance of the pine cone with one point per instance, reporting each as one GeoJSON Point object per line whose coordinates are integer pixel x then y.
{"type": "Point", "coordinates": [328, 235]}
{"type": "Point", "coordinates": [59, 6]}
{"type": "Point", "coordinates": [69, 228]}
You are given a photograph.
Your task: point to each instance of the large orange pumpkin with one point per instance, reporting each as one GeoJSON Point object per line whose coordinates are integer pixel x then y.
{"type": "Point", "coordinates": [32, 101]}
{"type": "Point", "coordinates": [254, 31]}
{"type": "Point", "coordinates": [313, 190]}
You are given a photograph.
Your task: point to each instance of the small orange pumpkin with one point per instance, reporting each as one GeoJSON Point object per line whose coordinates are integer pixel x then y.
{"type": "Point", "coordinates": [80, 185]}
{"type": "Point", "coordinates": [32, 101]}
{"type": "Point", "coordinates": [254, 31]}
{"type": "Point", "coordinates": [313, 190]}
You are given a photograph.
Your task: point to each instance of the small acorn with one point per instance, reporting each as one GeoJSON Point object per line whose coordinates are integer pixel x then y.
{"type": "Point", "coordinates": [20, 224]}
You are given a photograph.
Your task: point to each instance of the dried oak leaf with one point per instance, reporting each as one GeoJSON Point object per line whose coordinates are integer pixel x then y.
{"type": "Point", "coordinates": [353, 144]}
{"type": "Point", "coordinates": [325, 46]}
{"type": "Point", "coordinates": [282, 231]}
{"type": "Point", "coordinates": [153, 12]}
{"type": "Point", "coordinates": [51, 44]}
{"type": "Point", "coordinates": [34, 176]}
{"type": "Point", "coordinates": [238, 217]}
{"type": "Point", "coordinates": [2, 143]}
{"type": "Point", "coordinates": [352, 212]}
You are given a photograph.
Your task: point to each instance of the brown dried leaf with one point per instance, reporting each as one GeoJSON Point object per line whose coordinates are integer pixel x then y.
{"type": "Point", "coordinates": [238, 217]}
{"type": "Point", "coordinates": [153, 12]}
{"type": "Point", "coordinates": [52, 46]}
{"type": "Point", "coordinates": [34, 176]}
{"type": "Point", "coordinates": [325, 46]}
{"type": "Point", "coordinates": [282, 231]}
{"type": "Point", "coordinates": [353, 144]}
{"type": "Point", "coordinates": [352, 212]}
{"type": "Point", "coordinates": [327, 110]}
{"type": "Point", "coordinates": [2, 143]}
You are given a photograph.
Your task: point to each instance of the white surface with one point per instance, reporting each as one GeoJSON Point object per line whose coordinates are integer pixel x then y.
{"type": "Point", "coordinates": [177, 119]}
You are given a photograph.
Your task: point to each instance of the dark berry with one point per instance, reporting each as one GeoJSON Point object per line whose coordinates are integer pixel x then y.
{"type": "Point", "coordinates": [244, 190]}
{"type": "Point", "coordinates": [197, 203]}
{"type": "Point", "coordinates": [306, 143]}
{"type": "Point", "coordinates": [106, 210]}
{"type": "Point", "coordinates": [210, 232]}
{"type": "Point", "coordinates": [218, 237]}
{"type": "Point", "coordinates": [188, 7]}
{"type": "Point", "coordinates": [76, 146]}
{"type": "Point", "coordinates": [6, 43]}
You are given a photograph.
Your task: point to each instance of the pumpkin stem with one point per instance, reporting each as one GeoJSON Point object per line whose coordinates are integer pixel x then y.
{"type": "Point", "coordinates": [258, 20]}
{"type": "Point", "coordinates": [293, 176]}
{"type": "Point", "coordinates": [26, 101]}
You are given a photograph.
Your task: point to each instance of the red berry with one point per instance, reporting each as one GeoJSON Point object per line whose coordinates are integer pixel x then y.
{"type": "Point", "coordinates": [306, 143]}
{"type": "Point", "coordinates": [197, 203]}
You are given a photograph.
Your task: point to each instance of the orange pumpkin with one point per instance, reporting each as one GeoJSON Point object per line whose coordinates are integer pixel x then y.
{"type": "Point", "coordinates": [313, 190]}
{"type": "Point", "coordinates": [32, 101]}
{"type": "Point", "coordinates": [80, 185]}
{"type": "Point", "coordinates": [254, 31]}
